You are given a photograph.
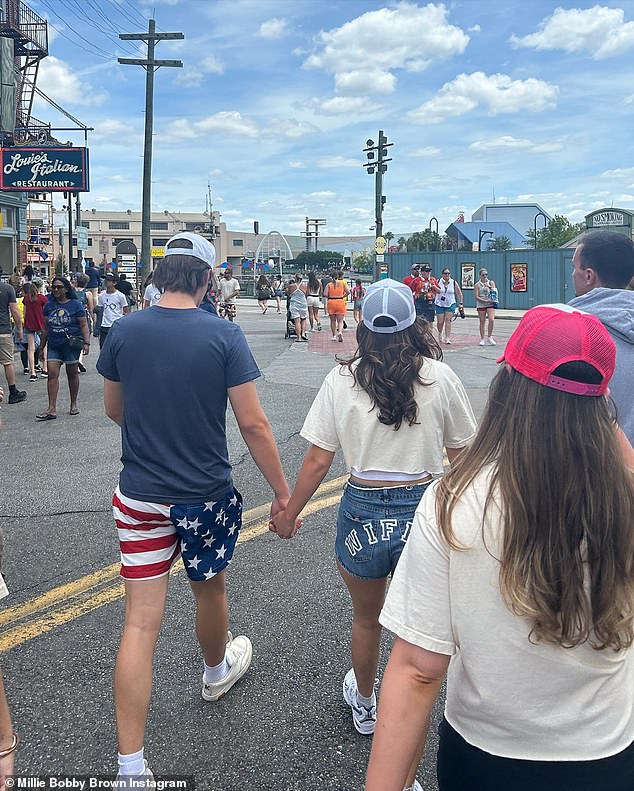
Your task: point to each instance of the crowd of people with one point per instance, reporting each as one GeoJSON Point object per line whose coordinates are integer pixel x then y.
{"type": "Point", "coordinates": [511, 557]}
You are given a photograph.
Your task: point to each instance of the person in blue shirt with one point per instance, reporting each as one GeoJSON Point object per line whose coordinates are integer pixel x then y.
{"type": "Point", "coordinates": [169, 372]}
{"type": "Point", "coordinates": [65, 327]}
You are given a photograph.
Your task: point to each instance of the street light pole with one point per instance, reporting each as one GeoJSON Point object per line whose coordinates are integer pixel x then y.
{"type": "Point", "coordinates": [480, 235]}
{"type": "Point", "coordinates": [539, 214]}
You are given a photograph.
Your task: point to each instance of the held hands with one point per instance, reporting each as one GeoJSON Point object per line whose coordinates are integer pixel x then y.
{"type": "Point", "coordinates": [283, 526]}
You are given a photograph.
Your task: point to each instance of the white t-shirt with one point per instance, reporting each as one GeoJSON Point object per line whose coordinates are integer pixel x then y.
{"type": "Point", "coordinates": [151, 294]}
{"type": "Point", "coordinates": [113, 305]}
{"type": "Point", "coordinates": [341, 417]}
{"type": "Point", "coordinates": [505, 695]}
{"type": "Point", "coordinates": [227, 287]}
{"type": "Point", "coordinates": [448, 291]}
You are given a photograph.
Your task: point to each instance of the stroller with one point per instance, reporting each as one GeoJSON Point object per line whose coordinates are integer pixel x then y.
{"type": "Point", "coordinates": [290, 324]}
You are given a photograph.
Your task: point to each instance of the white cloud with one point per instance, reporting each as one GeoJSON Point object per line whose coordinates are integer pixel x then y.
{"type": "Point", "coordinates": [508, 143]}
{"type": "Point", "coordinates": [296, 165]}
{"type": "Point", "coordinates": [57, 80]}
{"type": "Point", "coordinates": [497, 92]}
{"type": "Point", "coordinates": [355, 83]}
{"type": "Point", "coordinates": [623, 173]}
{"type": "Point", "coordinates": [273, 29]}
{"type": "Point", "coordinates": [291, 128]}
{"type": "Point", "coordinates": [474, 29]}
{"type": "Point", "coordinates": [338, 162]}
{"type": "Point", "coordinates": [194, 76]}
{"type": "Point", "coordinates": [629, 99]}
{"type": "Point", "coordinates": [324, 195]}
{"type": "Point", "coordinates": [599, 30]}
{"type": "Point", "coordinates": [229, 122]}
{"type": "Point", "coordinates": [113, 130]}
{"type": "Point", "coordinates": [378, 42]}
{"type": "Point", "coordinates": [346, 104]}
{"type": "Point", "coordinates": [426, 153]}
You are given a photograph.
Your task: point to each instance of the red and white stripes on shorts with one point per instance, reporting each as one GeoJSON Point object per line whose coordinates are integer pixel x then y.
{"type": "Point", "coordinates": [148, 540]}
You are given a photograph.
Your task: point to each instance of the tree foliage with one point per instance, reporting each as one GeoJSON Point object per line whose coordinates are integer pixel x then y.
{"type": "Point", "coordinates": [321, 260]}
{"type": "Point", "coordinates": [558, 231]}
{"type": "Point", "coordinates": [500, 243]}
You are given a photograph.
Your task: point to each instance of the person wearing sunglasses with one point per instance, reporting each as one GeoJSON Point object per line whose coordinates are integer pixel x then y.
{"type": "Point", "coordinates": [66, 333]}
{"type": "Point", "coordinates": [445, 304]}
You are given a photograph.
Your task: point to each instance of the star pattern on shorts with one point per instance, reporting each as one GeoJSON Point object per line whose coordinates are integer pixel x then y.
{"type": "Point", "coordinates": [207, 534]}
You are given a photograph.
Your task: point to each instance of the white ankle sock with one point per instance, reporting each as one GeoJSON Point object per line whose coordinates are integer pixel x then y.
{"type": "Point", "coordinates": [367, 702]}
{"type": "Point", "coordinates": [217, 673]}
{"type": "Point", "coordinates": [133, 764]}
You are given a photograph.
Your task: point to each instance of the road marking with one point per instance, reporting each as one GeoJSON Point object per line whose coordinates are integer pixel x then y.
{"type": "Point", "coordinates": [50, 614]}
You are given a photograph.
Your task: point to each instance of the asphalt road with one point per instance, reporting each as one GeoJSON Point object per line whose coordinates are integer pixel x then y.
{"type": "Point", "coordinates": [285, 726]}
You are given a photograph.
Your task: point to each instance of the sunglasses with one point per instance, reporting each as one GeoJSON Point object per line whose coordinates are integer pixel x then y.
{"type": "Point", "coordinates": [60, 285]}
{"type": "Point", "coordinates": [446, 273]}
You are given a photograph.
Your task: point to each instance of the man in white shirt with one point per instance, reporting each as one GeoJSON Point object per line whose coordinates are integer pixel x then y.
{"type": "Point", "coordinates": [229, 288]}
{"type": "Point", "coordinates": [114, 305]}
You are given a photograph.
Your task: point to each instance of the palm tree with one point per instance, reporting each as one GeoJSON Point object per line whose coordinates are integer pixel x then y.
{"type": "Point", "coordinates": [500, 243]}
{"type": "Point", "coordinates": [401, 242]}
{"type": "Point", "coordinates": [388, 237]}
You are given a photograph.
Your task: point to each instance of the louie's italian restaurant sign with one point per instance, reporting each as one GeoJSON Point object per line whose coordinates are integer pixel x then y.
{"type": "Point", "coordinates": [44, 169]}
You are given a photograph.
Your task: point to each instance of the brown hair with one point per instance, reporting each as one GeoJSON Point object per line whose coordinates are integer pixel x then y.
{"type": "Point", "coordinates": [387, 366]}
{"type": "Point", "coordinates": [566, 544]}
{"type": "Point", "coordinates": [181, 273]}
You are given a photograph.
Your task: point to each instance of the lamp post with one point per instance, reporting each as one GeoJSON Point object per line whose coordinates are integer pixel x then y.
{"type": "Point", "coordinates": [433, 219]}
{"type": "Point", "coordinates": [480, 235]}
{"type": "Point", "coordinates": [539, 214]}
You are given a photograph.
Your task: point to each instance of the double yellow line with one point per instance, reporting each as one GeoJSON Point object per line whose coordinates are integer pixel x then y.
{"type": "Point", "coordinates": [70, 601]}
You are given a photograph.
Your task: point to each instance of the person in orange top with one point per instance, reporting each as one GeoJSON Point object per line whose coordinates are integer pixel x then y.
{"type": "Point", "coordinates": [337, 295]}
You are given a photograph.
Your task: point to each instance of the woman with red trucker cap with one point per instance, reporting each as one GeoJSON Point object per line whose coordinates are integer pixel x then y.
{"type": "Point", "coordinates": [518, 579]}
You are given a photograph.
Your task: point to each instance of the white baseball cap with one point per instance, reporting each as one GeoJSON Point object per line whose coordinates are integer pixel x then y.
{"type": "Point", "coordinates": [388, 306]}
{"type": "Point", "coordinates": [201, 248]}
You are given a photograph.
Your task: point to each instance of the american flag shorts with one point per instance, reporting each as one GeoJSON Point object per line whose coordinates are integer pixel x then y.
{"type": "Point", "coordinates": [153, 535]}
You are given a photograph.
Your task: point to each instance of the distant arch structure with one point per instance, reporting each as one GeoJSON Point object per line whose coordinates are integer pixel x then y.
{"type": "Point", "coordinates": [275, 246]}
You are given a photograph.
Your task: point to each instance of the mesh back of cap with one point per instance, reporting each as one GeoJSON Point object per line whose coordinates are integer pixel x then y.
{"type": "Point", "coordinates": [388, 306]}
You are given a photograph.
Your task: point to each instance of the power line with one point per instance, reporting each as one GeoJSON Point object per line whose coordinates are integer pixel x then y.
{"type": "Point", "coordinates": [78, 9]}
{"type": "Point", "coordinates": [140, 18]}
{"type": "Point", "coordinates": [98, 50]}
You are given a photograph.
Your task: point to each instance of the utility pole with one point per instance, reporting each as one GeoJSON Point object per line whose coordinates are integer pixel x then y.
{"type": "Point", "coordinates": [150, 64]}
{"type": "Point", "coordinates": [380, 166]}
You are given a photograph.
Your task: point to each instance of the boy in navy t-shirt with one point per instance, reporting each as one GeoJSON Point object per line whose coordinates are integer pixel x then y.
{"type": "Point", "coordinates": [168, 373]}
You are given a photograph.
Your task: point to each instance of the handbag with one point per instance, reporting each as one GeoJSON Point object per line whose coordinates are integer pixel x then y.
{"type": "Point", "coordinates": [74, 341]}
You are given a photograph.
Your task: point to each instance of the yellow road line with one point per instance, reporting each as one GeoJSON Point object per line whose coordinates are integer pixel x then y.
{"type": "Point", "coordinates": [22, 633]}
{"type": "Point", "coordinates": [75, 588]}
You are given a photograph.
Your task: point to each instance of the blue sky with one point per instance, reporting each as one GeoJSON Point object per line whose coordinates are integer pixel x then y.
{"type": "Point", "coordinates": [530, 101]}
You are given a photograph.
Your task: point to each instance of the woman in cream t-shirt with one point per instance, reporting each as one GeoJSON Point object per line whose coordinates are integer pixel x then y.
{"type": "Point", "coordinates": [518, 577]}
{"type": "Point", "coordinates": [391, 409]}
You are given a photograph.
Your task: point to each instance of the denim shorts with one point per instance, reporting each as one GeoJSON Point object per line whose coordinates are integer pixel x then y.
{"type": "Point", "coordinates": [445, 309]}
{"type": "Point", "coordinates": [373, 526]}
{"type": "Point", "coordinates": [63, 354]}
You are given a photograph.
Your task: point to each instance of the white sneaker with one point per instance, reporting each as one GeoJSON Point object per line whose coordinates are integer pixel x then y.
{"type": "Point", "coordinates": [143, 782]}
{"type": "Point", "coordinates": [448, 341]}
{"type": "Point", "coordinates": [334, 338]}
{"type": "Point", "coordinates": [492, 341]}
{"type": "Point", "coordinates": [340, 337]}
{"type": "Point", "coordinates": [239, 654]}
{"type": "Point", "coordinates": [363, 718]}
{"type": "Point", "coordinates": [482, 342]}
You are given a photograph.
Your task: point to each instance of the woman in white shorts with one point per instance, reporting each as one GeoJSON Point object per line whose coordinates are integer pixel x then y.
{"type": "Point", "coordinates": [298, 307]}
{"type": "Point", "coordinates": [312, 297]}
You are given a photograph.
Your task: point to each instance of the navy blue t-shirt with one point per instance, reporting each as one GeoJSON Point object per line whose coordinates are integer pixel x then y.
{"type": "Point", "coordinates": [63, 320]}
{"type": "Point", "coordinates": [175, 366]}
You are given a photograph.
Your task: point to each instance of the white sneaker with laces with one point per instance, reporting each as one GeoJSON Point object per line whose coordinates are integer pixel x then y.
{"type": "Point", "coordinates": [363, 717]}
{"type": "Point", "coordinates": [492, 341]}
{"type": "Point", "coordinates": [239, 654]}
{"type": "Point", "coordinates": [143, 782]}
{"type": "Point", "coordinates": [482, 342]}
{"type": "Point", "coordinates": [334, 338]}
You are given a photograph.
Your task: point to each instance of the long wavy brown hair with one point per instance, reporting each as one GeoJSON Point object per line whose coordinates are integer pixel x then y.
{"type": "Point", "coordinates": [387, 366]}
{"type": "Point", "coordinates": [567, 507]}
